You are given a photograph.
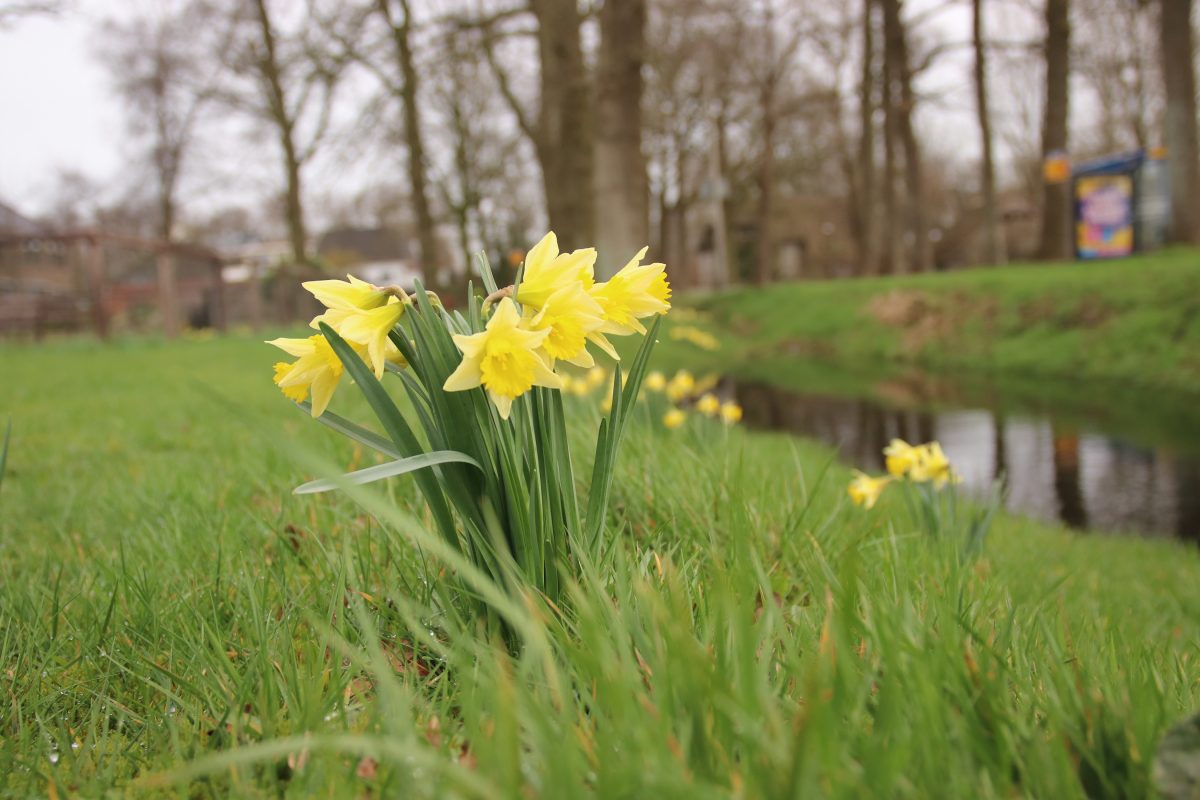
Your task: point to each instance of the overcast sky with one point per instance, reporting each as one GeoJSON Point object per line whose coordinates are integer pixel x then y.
{"type": "Point", "coordinates": [58, 107]}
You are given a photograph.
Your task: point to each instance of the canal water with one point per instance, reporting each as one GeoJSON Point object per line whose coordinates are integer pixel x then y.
{"type": "Point", "coordinates": [1085, 467]}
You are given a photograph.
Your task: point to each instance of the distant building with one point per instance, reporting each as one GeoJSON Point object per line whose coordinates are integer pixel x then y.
{"type": "Point", "coordinates": [961, 244]}
{"type": "Point", "coordinates": [810, 235]}
{"type": "Point", "coordinates": [377, 255]}
{"type": "Point", "coordinates": [254, 260]}
{"type": "Point", "coordinates": [31, 260]}
{"type": "Point", "coordinates": [65, 280]}
{"type": "Point", "coordinates": [13, 223]}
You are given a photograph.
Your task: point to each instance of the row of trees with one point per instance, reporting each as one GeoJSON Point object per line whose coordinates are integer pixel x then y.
{"type": "Point", "coordinates": [635, 111]}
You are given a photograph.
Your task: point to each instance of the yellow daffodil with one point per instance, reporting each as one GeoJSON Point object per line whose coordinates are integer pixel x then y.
{"type": "Point", "coordinates": [294, 393]}
{"type": "Point", "coordinates": [660, 289]}
{"type": "Point", "coordinates": [503, 359]}
{"type": "Point", "coordinates": [708, 405]}
{"type": "Point", "coordinates": [580, 388]}
{"type": "Point", "coordinates": [702, 339]}
{"type": "Point", "coordinates": [370, 329]}
{"type": "Point", "coordinates": [547, 270]}
{"type": "Point", "coordinates": [637, 291]}
{"type": "Point", "coordinates": [681, 385]}
{"type": "Point", "coordinates": [596, 377]}
{"type": "Point", "coordinates": [706, 384]}
{"type": "Point", "coordinates": [935, 466]}
{"type": "Point", "coordinates": [674, 418]}
{"type": "Point", "coordinates": [865, 490]}
{"type": "Point", "coordinates": [317, 369]}
{"type": "Point", "coordinates": [731, 413]}
{"type": "Point", "coordinates": [925, 463]}
{"type": "Point", "coordinates": [349, 294]}
{"type": "Point", "coordinates": [900, 457]}
{"type": "Point", "coordinates": [655, 381]}
{"type": "Point", "coordinates": [569, 314]}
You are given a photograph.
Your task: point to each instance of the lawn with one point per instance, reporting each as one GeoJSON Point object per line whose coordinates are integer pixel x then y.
{"type": "Point", "coordinates": [1131, 321]}
{"type": "Point", "coordinates": [174, 622]}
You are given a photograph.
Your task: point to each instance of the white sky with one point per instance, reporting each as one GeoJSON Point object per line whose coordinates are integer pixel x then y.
{"type": "Point", "coordinates": [58, 106]}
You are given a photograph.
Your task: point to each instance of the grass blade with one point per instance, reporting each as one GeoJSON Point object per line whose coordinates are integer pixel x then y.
{"type": "Point", "coordinates": [4, 450]}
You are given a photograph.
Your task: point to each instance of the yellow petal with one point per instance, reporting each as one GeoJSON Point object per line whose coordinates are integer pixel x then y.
{"type": "Point", "coordinates": [293, 347]}
{"type": "Point", "coordinates": [322, 391]}
{"type": "Point", "coordinates": [467, 376]}
{"type": "Point", "coordinates": [502, 402]}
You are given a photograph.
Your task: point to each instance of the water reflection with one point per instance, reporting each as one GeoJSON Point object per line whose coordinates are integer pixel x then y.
{"type": "Point", "coordinates": [1056, 470]}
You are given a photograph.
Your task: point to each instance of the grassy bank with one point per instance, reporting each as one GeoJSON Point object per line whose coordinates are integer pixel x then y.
{"type": "Point", "coordinates": [173, 621]}
{"type": "Point", "coordinates": [1135, 320]}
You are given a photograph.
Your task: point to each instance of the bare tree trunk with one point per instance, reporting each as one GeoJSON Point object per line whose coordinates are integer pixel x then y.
{"type": "Point", "coordinates": [1137, 114]}
{"type": "Point", "coordinates": [166, 210]}
{"type": "Point", "coordinates": [1056, 197]}
{"type": "Point", "coordinates": [732, 271]}
{"type": "Point", "coordinates": [564, 136]}
{"type": "Point", "coordinates": [168, 154]}
{"type": "Point", "coordinates": [1183, 152]}
{"type": "Point", "coordinates": [896, 51]}
{"type": "Point", "coordinates": [993, 247]}
{"type": "Point", "coordinates": [269, 70]}
{"type": "Point", "coordinates": [892, 263]}
{"type": "Point", "coordinates": [294, 205]}
{"type": "Point", "coordinates": [867, 250]}
{"type": "Point", "coordinates": [765, 246]}
{"type": "Point", "coordinates": [664, 239]}
{"type": "Point", "coordinates": [622, 186]}
{"type": "Point", "coordinates": [417, 181]}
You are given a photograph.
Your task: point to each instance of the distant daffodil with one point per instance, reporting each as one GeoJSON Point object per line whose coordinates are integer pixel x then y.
{"type": "Point", "coordinates": [731, 413]}
{"type": "Point", "coordinates": [865, 491]}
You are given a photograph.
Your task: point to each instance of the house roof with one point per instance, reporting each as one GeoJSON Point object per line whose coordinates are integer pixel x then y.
{"type": "Point", "coordinates": [369, 244]}
{"type": "Point", "coordinates": [14, 222]}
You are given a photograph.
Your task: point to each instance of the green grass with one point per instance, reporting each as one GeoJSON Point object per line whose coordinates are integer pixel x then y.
{"type": "Point", "coordinates": [173, 622]}
{"type": "Point", "coordinates": [1130, 321]}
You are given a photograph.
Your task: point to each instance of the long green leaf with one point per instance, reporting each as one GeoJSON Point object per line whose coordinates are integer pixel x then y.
{"type": "Point", "coordinates": [609, 439]}
{"type": "Point", "coordinates": [396, 426]}
{"type": "Point", "coordinates": [378, 472]}
{"type": "Point", "coordinates": [353, 431]}
{"type": "Point", "coordinates": [485, 272]}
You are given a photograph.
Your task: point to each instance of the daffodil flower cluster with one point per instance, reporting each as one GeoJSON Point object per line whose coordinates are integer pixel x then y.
{"type": "Point", "coordinates": [562, 310]}
{"type": "Point", "coordinates": [364, 315]}
{"type": "Point", "coordinates": [697, 336]}
{"type": "Point", "coordinates": [923, 472]}
{"type": "Point", "coordinates": [485, 387]}
{"type": "Point", "coordinates": [925, 463]}
{"type": "Point", "coordinates": [684, 392]}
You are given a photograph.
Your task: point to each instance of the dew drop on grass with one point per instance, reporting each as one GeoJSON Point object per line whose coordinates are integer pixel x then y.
{"type": "Point", "coordinates": [74, 745]}
{"type": "Point", "coordinates": [54, 755]}
{"type": "Point", "coordinates": [172, 709]}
